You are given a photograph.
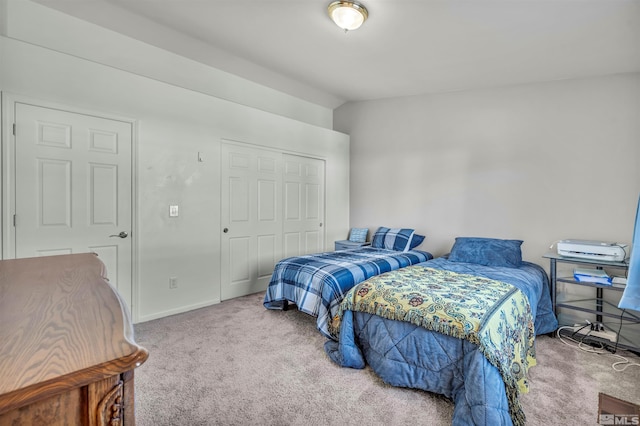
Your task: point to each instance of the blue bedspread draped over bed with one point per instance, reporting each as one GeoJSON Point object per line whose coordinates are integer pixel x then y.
{"type": "Point", "coordinates": [316, 283]}
{"type": "Point", "coordinates": [407, 355]}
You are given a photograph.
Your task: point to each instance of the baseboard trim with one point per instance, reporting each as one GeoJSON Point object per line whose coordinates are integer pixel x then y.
{"type": "Point", "coordinates": [180, 310]}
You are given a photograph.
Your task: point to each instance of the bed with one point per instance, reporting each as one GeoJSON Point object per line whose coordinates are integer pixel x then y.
{"type": "Point", "coordinates": [462, 326]}
{"type": "Point", "coordinates": [316, 283]}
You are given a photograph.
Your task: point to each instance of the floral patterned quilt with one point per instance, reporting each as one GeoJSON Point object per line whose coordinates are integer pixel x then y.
{"type": "Point", "coordinates": [494, 315]}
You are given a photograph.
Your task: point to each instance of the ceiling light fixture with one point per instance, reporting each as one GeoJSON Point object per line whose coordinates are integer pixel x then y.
{"type": "Point", "coordinates": [348, 15]}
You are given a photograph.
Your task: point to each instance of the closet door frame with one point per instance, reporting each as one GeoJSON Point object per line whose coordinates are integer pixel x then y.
{"type": "Point", "coordinates": [253, 215]}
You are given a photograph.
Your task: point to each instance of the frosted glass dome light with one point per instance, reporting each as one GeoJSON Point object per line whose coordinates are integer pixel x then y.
{"type": "Point", "coordinates": [348, 15]}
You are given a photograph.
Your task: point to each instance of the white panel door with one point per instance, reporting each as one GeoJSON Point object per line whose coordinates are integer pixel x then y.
{"type": "Point", "coordinates": [73, 188]}
{"type": "Point", "coordinates": [251, 218]}
{"type": "Point", "coordinates": [303, 205]}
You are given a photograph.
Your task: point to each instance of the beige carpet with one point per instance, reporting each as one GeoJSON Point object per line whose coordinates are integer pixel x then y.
{"type": "Point", "coordinates": [237, 363]}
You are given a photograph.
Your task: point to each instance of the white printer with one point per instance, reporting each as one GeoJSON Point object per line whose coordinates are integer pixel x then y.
{"type": "Point", "coordinates": [594, 250]}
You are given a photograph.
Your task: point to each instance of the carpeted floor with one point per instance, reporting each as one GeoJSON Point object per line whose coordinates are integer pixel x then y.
{"type": "Point", "coordinates": [236, 363]}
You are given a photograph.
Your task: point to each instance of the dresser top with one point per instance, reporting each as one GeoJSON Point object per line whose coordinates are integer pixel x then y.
{"type": "Point", "coordinates": [62, 326]}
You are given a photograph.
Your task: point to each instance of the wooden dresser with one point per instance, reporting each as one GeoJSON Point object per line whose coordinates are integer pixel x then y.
{"type": "Point", "coordinates": [67, 352]}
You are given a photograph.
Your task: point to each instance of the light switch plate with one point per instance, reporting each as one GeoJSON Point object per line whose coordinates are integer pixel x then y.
{"type": "Point", "coordinates": [173, 211]}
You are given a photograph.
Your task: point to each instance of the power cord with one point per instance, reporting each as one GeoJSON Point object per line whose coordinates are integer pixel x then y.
{"type": "Point", "coordinates": [601, 349]}
{"type": "Point", "coordinates": [622, 246]}
{"type": "Point", "coordinates": [581, 345]}
{"type": "Point", "coordinates": [625, 362]}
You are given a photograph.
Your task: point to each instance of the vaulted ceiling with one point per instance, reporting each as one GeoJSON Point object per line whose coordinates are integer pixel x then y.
{"type": "Point", "coordinates": [405, 48]}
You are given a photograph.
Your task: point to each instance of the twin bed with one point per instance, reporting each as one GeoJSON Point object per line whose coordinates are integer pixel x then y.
{"type": "Point", "coordinates": [461, 325]}
{"type": "Point", "coordinates": [317, 283]}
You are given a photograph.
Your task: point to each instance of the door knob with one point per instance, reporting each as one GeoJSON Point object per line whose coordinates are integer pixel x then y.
{"type": "Point", "coordinates": [225, 230]}
{"type": "Point", "coordinates": [121, 235]}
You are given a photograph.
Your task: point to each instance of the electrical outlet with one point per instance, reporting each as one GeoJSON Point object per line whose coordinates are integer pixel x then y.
{"type": "Point", "coordinates": [173, 282]}
{"type": "Point", "coordinates": [598, 330]}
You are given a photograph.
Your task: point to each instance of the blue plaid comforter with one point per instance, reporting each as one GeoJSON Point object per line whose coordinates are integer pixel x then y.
{"type": "Point", "coordinates": [317, 283]}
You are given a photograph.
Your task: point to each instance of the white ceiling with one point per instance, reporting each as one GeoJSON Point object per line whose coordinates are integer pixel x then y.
{"type": "Point", "coordinates": [406, 47]}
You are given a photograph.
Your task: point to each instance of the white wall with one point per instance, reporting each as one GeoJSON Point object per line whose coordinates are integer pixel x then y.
{"type": "Point", "coordinates": [50, 28]}
{"type": "Point", "coordinates": [174, 123]}
{"type": "Point", "coordinates": [539, 162]}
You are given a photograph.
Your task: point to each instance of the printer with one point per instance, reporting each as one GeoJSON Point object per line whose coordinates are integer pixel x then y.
{"type": "Point", "coordinates": [593, 250]}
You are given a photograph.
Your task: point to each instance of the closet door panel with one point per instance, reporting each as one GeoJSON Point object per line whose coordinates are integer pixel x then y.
{"type": "Point", "coordinates": [304, 205]}
{"type": "Point", "coordinates": [251, 216]}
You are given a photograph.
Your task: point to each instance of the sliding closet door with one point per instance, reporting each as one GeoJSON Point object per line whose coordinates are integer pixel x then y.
{"type": "Point", "coordinates": [272, 207]}
{"type": "Point", "coordinates": [303, 205]}
{"type": "Point", "coordinates": [251, 218]}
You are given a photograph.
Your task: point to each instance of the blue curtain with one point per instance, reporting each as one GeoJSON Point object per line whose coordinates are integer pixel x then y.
{"type": "Point", "coordinates": [631, 296]}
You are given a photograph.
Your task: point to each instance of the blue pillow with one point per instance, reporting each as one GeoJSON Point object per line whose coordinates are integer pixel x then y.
{"type": "Point", "coordinates": [377, 241]}
{"type": "Point", "coordinates": [487, 251]}
{"type": "Point", "coordinates": [358, 235]}
{"type": "Point", "coordinates": [392, 238]}
{"type": "Point", "coordinates": [416, 241]}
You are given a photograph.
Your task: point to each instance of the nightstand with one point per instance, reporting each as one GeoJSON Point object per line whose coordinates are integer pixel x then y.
{"type": "Point", "coordinates": [346, 245]}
